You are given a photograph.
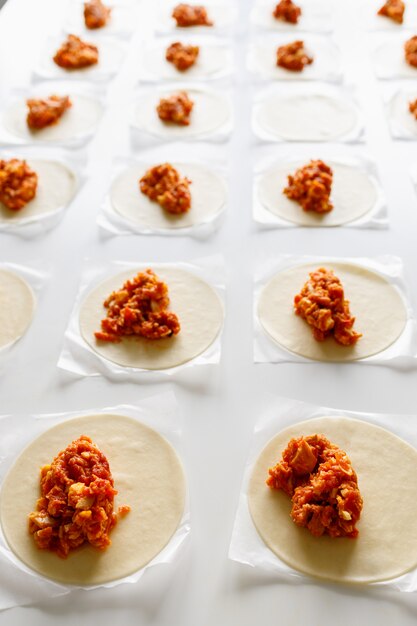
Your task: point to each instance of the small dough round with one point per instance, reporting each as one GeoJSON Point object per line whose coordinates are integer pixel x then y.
{"type": "Point", "coordinates": [400, 112]}
{"type": "Point", "coordinates": [208, 197]}
{"type": "Point", "coordinates": [353, 195]}
{"type": "Point", "coordinates": [109, 61]}
{"type": "Point", "coordinates": [211, 60]}
{"type": "Point", "coordinates": [199, 311]}
{"type": "Point", "coordinates": [77, 122]}
{"type": "Point", "coordinates": [390, 61]}
{"type": "Point", "coordinates": [57, 185]}
{"type": "Point", "coordinates": [386, 467]}
{"type": "Point", "coordinates": [211, 111]}
{"type": "Point", "coordinates": [375, 303]}
{"type": "Point", "coordinates": [309, 117]}
{"type": "Point", "coordinates": [17, 307]}
{"type": "Point", "coordinates": [148, 476]}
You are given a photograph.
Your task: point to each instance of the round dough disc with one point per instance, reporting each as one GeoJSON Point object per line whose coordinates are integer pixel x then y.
{"type": "Point", "coordinates": [208, 196]}
{"type": "Point", "coordinates": [378, 307]}
{"type": "Point", "coordinates": [210, 61]}
{"type": "Point", "coordinates": [386, 467]}
{"type": "Point", "coordinates": [199, 311]}
{"type": "Point", "coordinates": [325, 61]}
{"type": "Point", "coordinates": [147, 475]}
{"type": "Point", "coordinates": [110, 58]}
{"type": "Point", "coordinates": [211, 111]}
{"type": "Point", "coordinates": [76, 123]}
{"type": "Point", "coordinates": [312, 117]}
{"type": "Point", "coordinates": [56, 187]}
{"type": "Point", "coordinates": [17, 307]}
{"type": "Point", "coordinates": [390, 61]}
{"type": "Point", "coordinates": [353, 195]}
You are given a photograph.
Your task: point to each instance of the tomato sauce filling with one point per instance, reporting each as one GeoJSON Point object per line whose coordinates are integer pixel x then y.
{"type": "Point", "coordinates": [96, 14]}
{"type": "Point", "coordinates": [77, 501]}
{"type": "Point", "coordinates": [287, 11]}
{"type": "Point", "coordinates": [191, 15]}
{"type": "Point", "coordinates": [394, 10]}
{"type": "Point", "coordinates": [311, 187]}
{"type": "Point", "coordinates": [293, 56]}
{"type": "Point", "coordinates": [318, 477]}
{"type": "Point", "coordinates": [182, 56]}
{"type": "Point", "coordinates": [18, 184]}
{"type": "Point", "coordinates": [163, 184]}
{"type": "Point", "coordinates": [47, 111]}
{"type": "Point", "coordinates": [76, 54]}
{"type": "Point", "coordinates": [321, 303]}
{"type": "Point", "coordinates": [412, 107]}
{"type": "Point", "coordinates": [176, 109]}
{"type": "Point", "coordinates": [139, 309]}
{"type": "Point", "coordinates": [410, 49]}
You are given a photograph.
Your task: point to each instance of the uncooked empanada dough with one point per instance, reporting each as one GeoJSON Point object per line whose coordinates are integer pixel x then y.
{"type": "Point", "coordinates": [17, 305]}
{"type": "Point", "coordinates": [386, 467]}
{"type": "Point", "coordinates": [211, 60]}
{"type": "Point", "coordinates": [147, 475]}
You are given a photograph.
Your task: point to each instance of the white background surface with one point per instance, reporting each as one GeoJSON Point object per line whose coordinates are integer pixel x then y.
{"type": "Point", "coordinates": [220, 404]}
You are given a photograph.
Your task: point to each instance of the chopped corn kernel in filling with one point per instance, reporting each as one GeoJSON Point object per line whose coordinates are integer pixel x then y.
{"type": "Point", "coordinates": [412, 107]}
{"type": "Point", "coordinates": [293, 56]}
{"type": "Point", "coordinates": [164, 185]}
{"type": "Point", "coordinates": [321, 303]}
{"type": "Point", "coordinates": [76, 54]}
{"type": "Point", "coordinates": [182, 56]}
{"type": "Point", "coordinates": [176, 109]}
{"type": "Point", "coordinates": [47, 111]}
{"type": "Point", "coordinates": [96, 14]}
{"type": "Point", "coordinates": [18, 184]}
{"type": "Point", "coordinates": [77, 501]}
{"type": "Point", "coordinates": [191, 15]}
{"type": "Point", "coordinates": [311, 186]}
{"type": "Point", "coordinates": [394, 9]}
{"type": "Point", "coordinates": [318, 477]}
{"type": "Point", "coordinates": [287, 11]}
{"type": "Point", "coordinates": [139, 309]}
{"type": "Point", "coordinates": [410, 49]}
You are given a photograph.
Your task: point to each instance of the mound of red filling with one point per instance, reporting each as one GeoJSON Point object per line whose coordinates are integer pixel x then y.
{"type": "Point", "coordinates": [18, 184]}
{"type": "Point", "coordinates": [75, 54]}
{"type": "Point", "coordinates": [164, 185]}
{"type": "Point", "coordinates": [187, 15]}
{"type": "Point", "coordinates": [322, 484]}
{"type": "Point", "coordinates": [287, 11]}
{"type": "Point", "coordinates": [394, 10]}
{"type": "Point", "coordinates": [311, 186]}
{"type": "Point", "coordinates": [45, 112]}
{"type": "Point", "coordinates": [77, 501]}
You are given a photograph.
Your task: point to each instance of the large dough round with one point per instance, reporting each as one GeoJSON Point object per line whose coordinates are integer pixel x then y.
{"type": "Point", "coordinates": [377, 305]}
{"type": "Point", "coordinates": [56, 188]}
{"type": "Point", "coordinates": [353, 195]}
{"type": "Point", "coordinates": [211, 111]}
{"type": "Point", "coordinates": [17, 307]}
{"type": "Point", "coordinates": [75, 124]}
{"type": "Point", "coordinates": [208, 196]}
{"type": "Point", "coordinates": [147, 475]}
{"type": "Point", "coordinates": [312, 117]}
{"type": "Point", "coordinates": [210, 61]}
{"type": "Point", "coordinates": [197, 305]}
{"type": "Point", "coordinates": [387, 476]}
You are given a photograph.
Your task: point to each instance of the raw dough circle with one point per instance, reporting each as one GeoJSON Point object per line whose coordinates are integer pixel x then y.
{"type": "Point", "coordinates": [17, 307]}
{"type": "Point", "coordinates": [211, 111]}
{"type": "Point", "coordinates": [199, 311]}
{"type": "Point", "coordinates": [387, 469]}
{"type": "Point", "coordinates": [56, 188]}
{"type": "Point", "coordinates": [326, 61]}
{"type": "Point", "coordinates": [77, 122]}
{"type": "Point", "coordinates": [148, 477]}
{"type": "Point", "coordinates": [211, 60]}
{"type": "Point", "coordinates": [109, 61]}
{"type": "Point", "coordinates": [390, 61]}
{"type": "Point", "coordinates": [308, 117]}
{"type": "Point", "coordinates": [208, 196]}
{"type": "Point", "coordinates": [353, 195]}
{"type": "Point", "coordinates": [378, 307]}
{"type": "Point", "coordinates": [400, 112]}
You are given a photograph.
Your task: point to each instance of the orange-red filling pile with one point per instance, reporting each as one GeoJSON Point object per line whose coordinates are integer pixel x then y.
{"type": "Point", "coordinates": [163, 184]}
{"type": "Point", "coordinates": [412, 107]}
{"type": "Point", "coordinates": [287, 11]}
{"type": "Point", "coordinates": [311, 187]}
{"type": "Point", "coordinates": [394, 9]}
{"type": "Point", "coordinates": [77, 500]}
{"type": "Point", "coordinates": [183, 57]}
{"type": "Point", "coordinates": [318, 477]}
{"type": "Point", "coordinates": [191, 15]}
{"type": "Point", "coordinates": [76, 54]}
{"type": "Point", "coordinates": [410, 49]}
{"type": "Point", "coordinates": [321, 303]}
{"type": "Point", "coordinates": [293, 56]}
{"type": "Point", "coordinates": [96, 14]}
{"type": "Point", "coordinates": [175, 109]}
{"type": "Point", "coordinates": [18, 184]}
{"type": "Point", "coordinates": [47, 111]}
{"type": "Point", "coordinates": [139, 309]}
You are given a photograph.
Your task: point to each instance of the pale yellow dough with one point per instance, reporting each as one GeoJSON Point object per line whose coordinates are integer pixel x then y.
{"type": "Point", "coordinates": [376, 304]}
{"type": "Point", "coordinates": [386, 467]}
{"type": "Point", "coordinates": [148, 476]}
{"type": "Point", "coordinates": [17, 307]}
{"type": "Point", "coordinates": [196, 304]}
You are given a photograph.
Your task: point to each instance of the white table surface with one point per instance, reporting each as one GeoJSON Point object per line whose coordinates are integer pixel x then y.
{"type": "Point", "coordinates": [220, 404]}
